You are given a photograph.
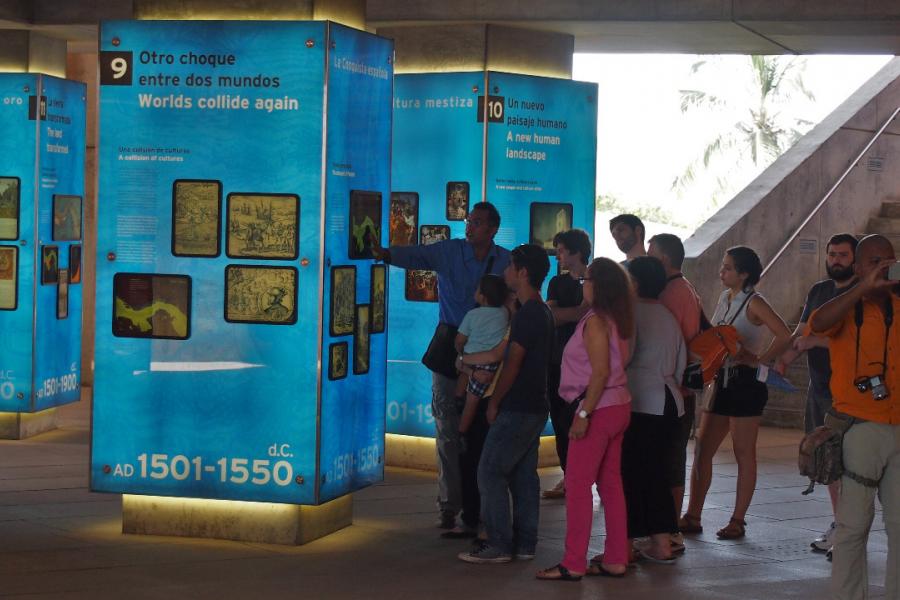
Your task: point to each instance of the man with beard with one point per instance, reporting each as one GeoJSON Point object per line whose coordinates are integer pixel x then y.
{"type": "Point", "coordinates": [864, 344]}
{"type": "Point", "coordinates": [839, 259]}
{"type": "Point", "coordinates": [628, 231]}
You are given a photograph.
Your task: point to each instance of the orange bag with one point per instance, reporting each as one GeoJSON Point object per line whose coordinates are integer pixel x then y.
{"type": "Point", "coordinates": [713, 346]}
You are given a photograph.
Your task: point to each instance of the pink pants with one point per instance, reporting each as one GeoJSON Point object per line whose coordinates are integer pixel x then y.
{"type": "Point", "coordinates": [597, 457]}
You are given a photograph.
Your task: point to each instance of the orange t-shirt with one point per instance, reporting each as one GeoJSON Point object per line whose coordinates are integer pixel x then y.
{"type": "Point", "coordinates": [682, 300]}
{"type": "Point", "coordinates": [844, 370]}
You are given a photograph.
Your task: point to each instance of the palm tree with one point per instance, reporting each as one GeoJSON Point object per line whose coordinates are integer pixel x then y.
{"type": "Point", "coordinates": [761, 125]}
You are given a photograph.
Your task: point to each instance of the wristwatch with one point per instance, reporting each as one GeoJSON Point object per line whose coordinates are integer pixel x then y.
{"type": "Point", "coordinates": [584, 414]}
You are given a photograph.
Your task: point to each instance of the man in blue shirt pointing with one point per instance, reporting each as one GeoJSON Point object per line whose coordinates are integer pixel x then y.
{"type": "Point", "coordinates": [459, 265]}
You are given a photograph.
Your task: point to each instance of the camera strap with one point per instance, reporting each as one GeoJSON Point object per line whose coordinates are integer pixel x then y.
{"type": "Point", "coordinates": [888, 321]}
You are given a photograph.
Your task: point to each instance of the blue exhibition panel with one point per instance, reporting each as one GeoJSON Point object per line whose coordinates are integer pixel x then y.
{"type": "Point", "coordinates": [41, 205]}
{"type": "Point", "coordinates": [437, 139]}
{"type": "Point", "coordinates": [228, 168]}
{"type": "Point", "coordinates": [536, 138]}
{"type": "Point", "coordinates": [358, 149]}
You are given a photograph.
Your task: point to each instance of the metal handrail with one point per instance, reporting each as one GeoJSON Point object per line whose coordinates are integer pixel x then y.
{"type": "Point", "coordinates": [837, 183]}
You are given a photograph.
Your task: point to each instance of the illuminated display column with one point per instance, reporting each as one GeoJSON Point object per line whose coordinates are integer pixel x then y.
{"type": "Point", "coordinates": [41, 198]}
{"type": "Point", "coordinates": [530, 150]}
{"type": "Point", "coordinates": [241, 334]}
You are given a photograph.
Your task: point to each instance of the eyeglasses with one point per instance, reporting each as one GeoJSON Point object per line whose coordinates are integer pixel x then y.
{"type": "Point", "coordinates": [583, 279]}
{"type": "Point", "coordinates": [475, 222]}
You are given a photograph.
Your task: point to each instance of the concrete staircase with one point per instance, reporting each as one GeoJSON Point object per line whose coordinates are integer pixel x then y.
{"type": "Point", "coordinates": [887, 223]}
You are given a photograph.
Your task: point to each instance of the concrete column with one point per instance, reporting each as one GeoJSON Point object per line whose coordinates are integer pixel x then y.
{"type": "Point", "coordinates": [478, 47]}
{"type": "Point", "coordinates": [24, 51]}
{"type": "Point", "coordinates": [346, 12]}
{"type": "Point", "coordinates": [264, 522]}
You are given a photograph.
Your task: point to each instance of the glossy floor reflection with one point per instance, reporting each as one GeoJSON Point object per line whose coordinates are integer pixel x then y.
{"type": "Point", "coordinates": [57, 540]}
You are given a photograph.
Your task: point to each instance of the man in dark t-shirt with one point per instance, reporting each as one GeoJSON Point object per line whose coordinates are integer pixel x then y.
{"type": "Point", "coordinates": [517, 412]}
{"type": "Point", "coordinates": [839, 259]}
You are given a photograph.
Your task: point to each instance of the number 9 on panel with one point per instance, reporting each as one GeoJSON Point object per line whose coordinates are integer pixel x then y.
{"type": "Point", "coordinates": [115, 68]}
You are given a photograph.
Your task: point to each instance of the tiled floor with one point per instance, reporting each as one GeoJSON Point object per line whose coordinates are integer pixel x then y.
{"type": "Point", "coordinates": [57, 540]}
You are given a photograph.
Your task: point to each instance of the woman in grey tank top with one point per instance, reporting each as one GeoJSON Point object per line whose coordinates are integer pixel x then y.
{"type": "Point", "coordinates": [739, 398]}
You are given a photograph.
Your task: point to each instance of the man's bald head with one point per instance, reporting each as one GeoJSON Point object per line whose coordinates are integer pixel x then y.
{"type": "Point", "coordinates": [876, 243]}
{"type": "Point", "coordinates": [870, 254]}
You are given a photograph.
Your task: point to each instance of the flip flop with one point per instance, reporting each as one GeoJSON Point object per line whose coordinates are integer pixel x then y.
{"type": "Point", "coordinates": [660, 561]}
{"type": "Point", "coordinates": [563, 574]}
{"type": "Point", "coordinates": [598, 570]}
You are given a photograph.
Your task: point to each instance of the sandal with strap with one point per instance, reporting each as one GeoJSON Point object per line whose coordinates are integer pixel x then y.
{"type": "Point", "coordinates": [557, 573]}
{"type": "Point", "coordinates": [735, 530]}
{"type": "Point", "coordinates": [690, 524]}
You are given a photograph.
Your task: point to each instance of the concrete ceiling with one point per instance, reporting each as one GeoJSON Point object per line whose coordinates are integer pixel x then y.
{"type": "Point", "coordinates": [639, 26]}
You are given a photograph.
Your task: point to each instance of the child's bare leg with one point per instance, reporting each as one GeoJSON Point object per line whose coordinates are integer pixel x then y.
{"type": "Point", "coordinates": [468, 414]}
{"type": "Point", "coordinates": [461, 381]}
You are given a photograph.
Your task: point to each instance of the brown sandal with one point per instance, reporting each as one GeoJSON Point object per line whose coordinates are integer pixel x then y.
{"type": "Point", "coordinates": [735, 530]}
{"type": "Point", "coordinates": [690, 524]}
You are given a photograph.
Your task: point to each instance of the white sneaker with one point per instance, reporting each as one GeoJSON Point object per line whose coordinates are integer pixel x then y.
{"type": "Point", "coordinates": [825, 541]}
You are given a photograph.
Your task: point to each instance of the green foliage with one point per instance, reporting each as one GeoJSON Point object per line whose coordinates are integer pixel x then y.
{"type": "Point", "coordinates": [656, 214]}
{"type": "Point", "coordinates": [762, 128]}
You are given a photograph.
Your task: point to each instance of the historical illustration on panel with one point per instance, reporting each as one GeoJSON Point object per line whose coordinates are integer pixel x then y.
{"type": "Point", "coordinates": [421, 286]}
{"type": "Point", "coordinates": [75, 263]}
{"type": "Point", "coordinates": [337, 360]}
{"type": "Point", "coordinates": [343, 300]}
{"type": "Point", "coordinates": [548, 219]}
{"type": "Point", "coordinates": [266, 295]}
{"type": "Point", "coordinates": [49, 264]}
{"type": "Point", "coordinates": [196, 217]}
{"type": "Point", "coordinates": [151, 306]}
{"type": "Point", "coordinates": [66, 218]}
{"type": "Point", "coordinates": [365, 223]}
{"type": "Point", "coordinates": [8, 277]}
{"type": "Point", "coordinates": [263, 225]}
{"type": "Point", "coordinates": [434, 233]}
{"type": "Point", "coordinates": [9, 208]}
{"type": "Point", "coordinates": [404, 219]}
{"type": "Point", "coordinates": [361, 340]}
{"type": "Point", "coordinates": [378, 285]}
{"type": "Point", "coordinates": [457, 200]}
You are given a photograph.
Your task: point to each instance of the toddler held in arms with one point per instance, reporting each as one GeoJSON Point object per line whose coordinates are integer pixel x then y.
{"type": "Point", "coordinates": [483, 328]}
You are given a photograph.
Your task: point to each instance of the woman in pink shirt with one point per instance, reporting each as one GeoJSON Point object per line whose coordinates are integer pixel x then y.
{"type": "Point", "coordinates": [593, 374]}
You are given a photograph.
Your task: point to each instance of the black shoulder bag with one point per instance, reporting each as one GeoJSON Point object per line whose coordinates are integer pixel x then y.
{"type": "Point", "coordinates": [440, 357]}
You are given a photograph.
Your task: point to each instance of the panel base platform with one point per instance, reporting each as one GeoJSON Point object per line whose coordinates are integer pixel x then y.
{"type": "Point", "coordinates": [19, 426]}
{"type": "Point", "coordinates": [269, 523]}
{"type": "Point", "coordinates": [412, 452]}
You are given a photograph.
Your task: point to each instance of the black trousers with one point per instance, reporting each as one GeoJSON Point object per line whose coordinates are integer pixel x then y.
{"type": "Point", "coordinates": [473, 443]}
{"type": "Point", "coordinates": [561, 414]}
{"type": "Point", "coordinates": [648, 496]}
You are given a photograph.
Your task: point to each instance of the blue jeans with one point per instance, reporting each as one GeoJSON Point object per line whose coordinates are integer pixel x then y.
{"type": "Point", "coordinates": [509, 466]}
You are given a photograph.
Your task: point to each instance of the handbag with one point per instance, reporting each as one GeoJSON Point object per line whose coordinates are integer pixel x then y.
{"type": "Point", "coordinates": [692, 379]}
{"type": "Point", "coordinates": [440, 356]}
{"type": "Point", "coordinates": [708, 395]}
{"type": "Point", "coordinates": [821, 456]}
